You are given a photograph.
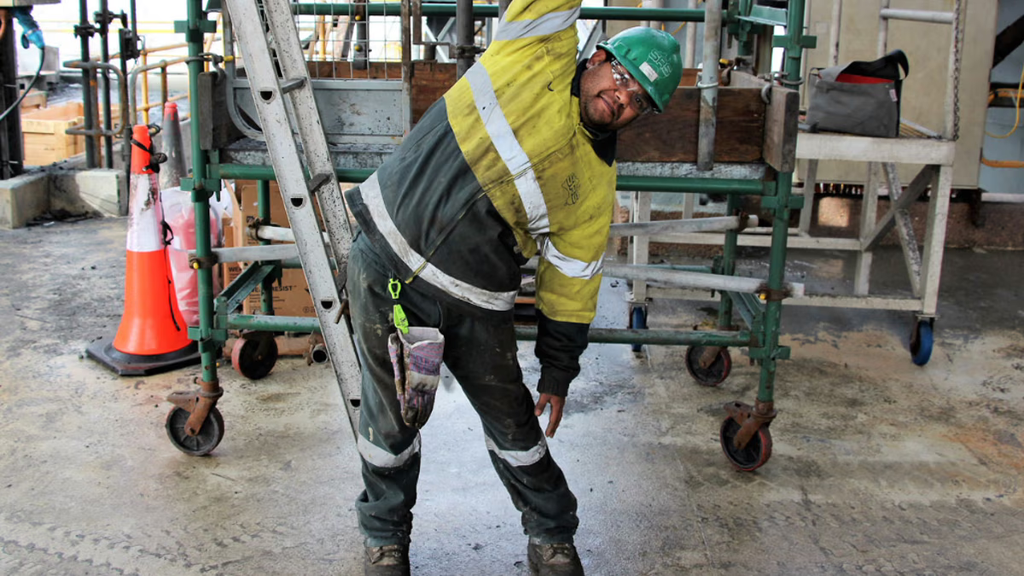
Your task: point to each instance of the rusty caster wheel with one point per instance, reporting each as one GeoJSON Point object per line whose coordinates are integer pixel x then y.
{"type": "Point", "coordinates": [254, 357]}
{"type": "Point", "coordinates": [210, 433]}
{"type": "Point", "coordinates": [714, 373]}
{"type": "Point", "coordinates": [754, 454]}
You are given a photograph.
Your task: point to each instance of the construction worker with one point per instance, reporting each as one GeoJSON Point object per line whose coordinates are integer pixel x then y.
{"type": "Point", "coordinates": [516, 160]}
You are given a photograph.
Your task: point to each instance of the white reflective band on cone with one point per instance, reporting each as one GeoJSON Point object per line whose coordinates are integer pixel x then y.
{"type": "Point", "coordinates": [515, 158]}
{"type": "Point", "coordinates": [381, 458]}
{"type": "Point", "coordinates": [519, 458]}
{"type": "Point", "coordinates": [145, 234]}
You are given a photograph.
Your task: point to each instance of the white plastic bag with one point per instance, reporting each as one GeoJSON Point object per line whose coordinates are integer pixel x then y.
{"type": "Point", "coordinates": [179, 214]}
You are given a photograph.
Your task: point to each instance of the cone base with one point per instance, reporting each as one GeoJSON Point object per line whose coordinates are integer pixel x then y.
{"type": "Point", "coordinates": [103, 351]}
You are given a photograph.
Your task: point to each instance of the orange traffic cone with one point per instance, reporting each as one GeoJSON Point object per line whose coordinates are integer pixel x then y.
{"type": "Point", "coordinates": [152, 337]}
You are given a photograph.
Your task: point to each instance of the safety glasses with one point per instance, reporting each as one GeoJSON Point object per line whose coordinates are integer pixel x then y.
{"type": "Point", "coordinates": [638, 101]}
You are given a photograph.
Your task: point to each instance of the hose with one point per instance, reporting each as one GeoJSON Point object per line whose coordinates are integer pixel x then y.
{"type": "Point", "coordinates": [35, 78]}
{"type": "Point", "coordinates": [1016, 122]}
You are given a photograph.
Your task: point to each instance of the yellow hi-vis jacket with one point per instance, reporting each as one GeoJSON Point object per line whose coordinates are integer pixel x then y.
{"type": "Point", "coordinates": [498, 170]}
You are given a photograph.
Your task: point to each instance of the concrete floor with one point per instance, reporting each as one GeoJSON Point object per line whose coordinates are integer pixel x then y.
{"type": "Point", "coordinates": [879, 466]}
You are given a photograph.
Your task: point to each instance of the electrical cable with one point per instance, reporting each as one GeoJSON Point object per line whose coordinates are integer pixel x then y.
{"type": "Point", "coordinates": [1016, 121]}
{"type": "Point", "coordinates": [35, 78]}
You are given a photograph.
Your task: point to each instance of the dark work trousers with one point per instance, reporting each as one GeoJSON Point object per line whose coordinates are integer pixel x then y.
{"type": "Point", "coordinates": [480, 351]}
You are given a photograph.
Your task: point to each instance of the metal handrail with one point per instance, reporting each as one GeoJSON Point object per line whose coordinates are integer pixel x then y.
{"type": "Point", "coordinates": [491, 11]}
{"type": "Point", "coordinates": [133, 76]}
{"type": "Point", "coordinates": [114, 131]}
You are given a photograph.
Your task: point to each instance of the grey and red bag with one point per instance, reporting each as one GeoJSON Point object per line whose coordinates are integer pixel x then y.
{"type": "Point", "coordinates": [861, 98]}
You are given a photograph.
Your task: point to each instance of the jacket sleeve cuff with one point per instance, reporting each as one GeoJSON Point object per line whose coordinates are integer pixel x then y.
{"type": "Point", "coordinates": [554, 382]}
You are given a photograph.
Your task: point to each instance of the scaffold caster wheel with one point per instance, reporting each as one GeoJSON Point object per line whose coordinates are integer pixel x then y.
{"type": "Point", "coordinates": [753, 455]}
{"type": "Point", "coordinates": [921, 341]}
{"type": "Point", "coordinates": [638, 321]}
{"type": "Point", "coordinates": [254, 357]}
{"type": "Point", "coordinates": [210, 433]}
{"type": "Point", "coordinates": [715, 373]}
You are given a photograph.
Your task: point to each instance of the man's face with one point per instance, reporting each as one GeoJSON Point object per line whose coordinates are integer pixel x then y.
{"type": "Point", "coordinates": [604, 103]}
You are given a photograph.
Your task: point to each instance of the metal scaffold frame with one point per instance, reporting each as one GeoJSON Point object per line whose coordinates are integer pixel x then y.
{"type": "Point", "coordinates": [917, 146]}
{"type": "Point", "coordinates": [757, 302]}
{"type": "Point", "coordinates": [936, 151]}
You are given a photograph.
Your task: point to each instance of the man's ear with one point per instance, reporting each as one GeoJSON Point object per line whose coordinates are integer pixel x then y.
{"type": "Point", "coordinates": [599, 57]}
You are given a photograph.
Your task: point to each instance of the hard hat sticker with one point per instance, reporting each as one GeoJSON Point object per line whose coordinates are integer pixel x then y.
{"type": "Point", "coordinates": [649, 71]}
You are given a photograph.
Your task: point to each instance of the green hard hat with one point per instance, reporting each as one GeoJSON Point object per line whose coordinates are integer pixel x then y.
{"type": "Point", "coordinates": [652, 57]}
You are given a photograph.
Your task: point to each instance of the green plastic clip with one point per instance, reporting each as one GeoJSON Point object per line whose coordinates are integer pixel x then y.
{"type": "Point", "coordinates": [401, 322]}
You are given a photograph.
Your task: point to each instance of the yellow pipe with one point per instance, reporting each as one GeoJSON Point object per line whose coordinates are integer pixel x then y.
{"type": "Point", "coordinates": [1002, 163]}
{"type": "Point", "coordinates": [145, 91]}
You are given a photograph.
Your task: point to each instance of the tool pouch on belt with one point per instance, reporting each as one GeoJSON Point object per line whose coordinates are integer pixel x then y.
{"type": "Point", "coordinates": [860, 98]}
{"type": "Point", "coordinates": [416, 357]}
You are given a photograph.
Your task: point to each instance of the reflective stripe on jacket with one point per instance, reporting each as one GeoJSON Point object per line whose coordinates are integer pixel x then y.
{"type": "Point", "coordinates": [498, 170]}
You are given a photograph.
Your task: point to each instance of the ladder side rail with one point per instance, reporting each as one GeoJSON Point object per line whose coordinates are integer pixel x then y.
{"type": "Point", "coordinates": [311, 133]}
{"type": "Point", "coordinates": [288, 167]}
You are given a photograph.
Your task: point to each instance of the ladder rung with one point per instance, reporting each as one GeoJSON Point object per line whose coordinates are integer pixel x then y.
{"type": "Point", "coordinates": [317, 181]}
{"type": "Point", "coordinates": [293, 84]}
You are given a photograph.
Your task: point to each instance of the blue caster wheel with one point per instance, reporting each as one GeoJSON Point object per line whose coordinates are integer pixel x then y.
{"type": "Point", "coordinates": [921, 341]}
{"type": "Point", "coordinates": [638, 321]}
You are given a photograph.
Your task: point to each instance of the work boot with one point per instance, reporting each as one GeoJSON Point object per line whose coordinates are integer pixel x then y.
{"type": "Point", "coordinates": [559, 559]}
{"type": "Point", "coordinates": [389, 560]}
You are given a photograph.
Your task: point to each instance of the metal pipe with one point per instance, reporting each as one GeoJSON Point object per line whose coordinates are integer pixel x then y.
{"type": "Point", "coordinates": [656, 5]}
{"type": "Point", "coordinates": [88, 103]}
{"type": "Point", "coordinates": [361, 45]}
{"type": "Point", "coordinates": [691, 39]}
{"type": "Point", "coordinates": [108, 142]}
{"type": "Point", "coordinates": [719, 224]}
{"type": "Point", "coordinates": [263, 323]}
{"type": "Point", "coordinates": [271, 253]}
{"type": "Point", "coordinates": [793, 65]}
{"type": "Point", "coordinates": [684, 279]}
{"type": "Point", "coordinates": [406, 67]}
{"type": "Point", "coordinates": [208, 344]}
{"type": "Point", "coordinates": [951, 126]}
{"type": "Point", "coordinates": [929, 16]}
{"type": "Point", "coordinates": [318, 354]}
{"type": "Point", "coordinates": [636, 183]}
{"type": "Point", "coordinates": [277, 234]}
{"type": "Point", "coordinates": [709, 85]}
{"type": "Point", "coordinates": [305, 325]}
{"type": "Point", "coordinates": [133, 77]}
{"type": "Point", "coordinates": [107, 131]}
{"type": "Point", "coordinates": [834, 31]}
{"type": "Point", "coordinates": [659, 337]}
{"type": "Point", "coordinates": [464, 36]}
{"type": "Point", "coordinates": [883, 29]}
{"type": "Point", "coordinates": [728, 264]}
{"type": "Point", "coordinates": [491, 11]}
{"type": "Point", "coordinates": [263, 211]}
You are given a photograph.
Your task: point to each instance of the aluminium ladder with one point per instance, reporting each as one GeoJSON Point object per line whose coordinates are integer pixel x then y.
{"type": "Point", "coordinates": [284, 101]}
